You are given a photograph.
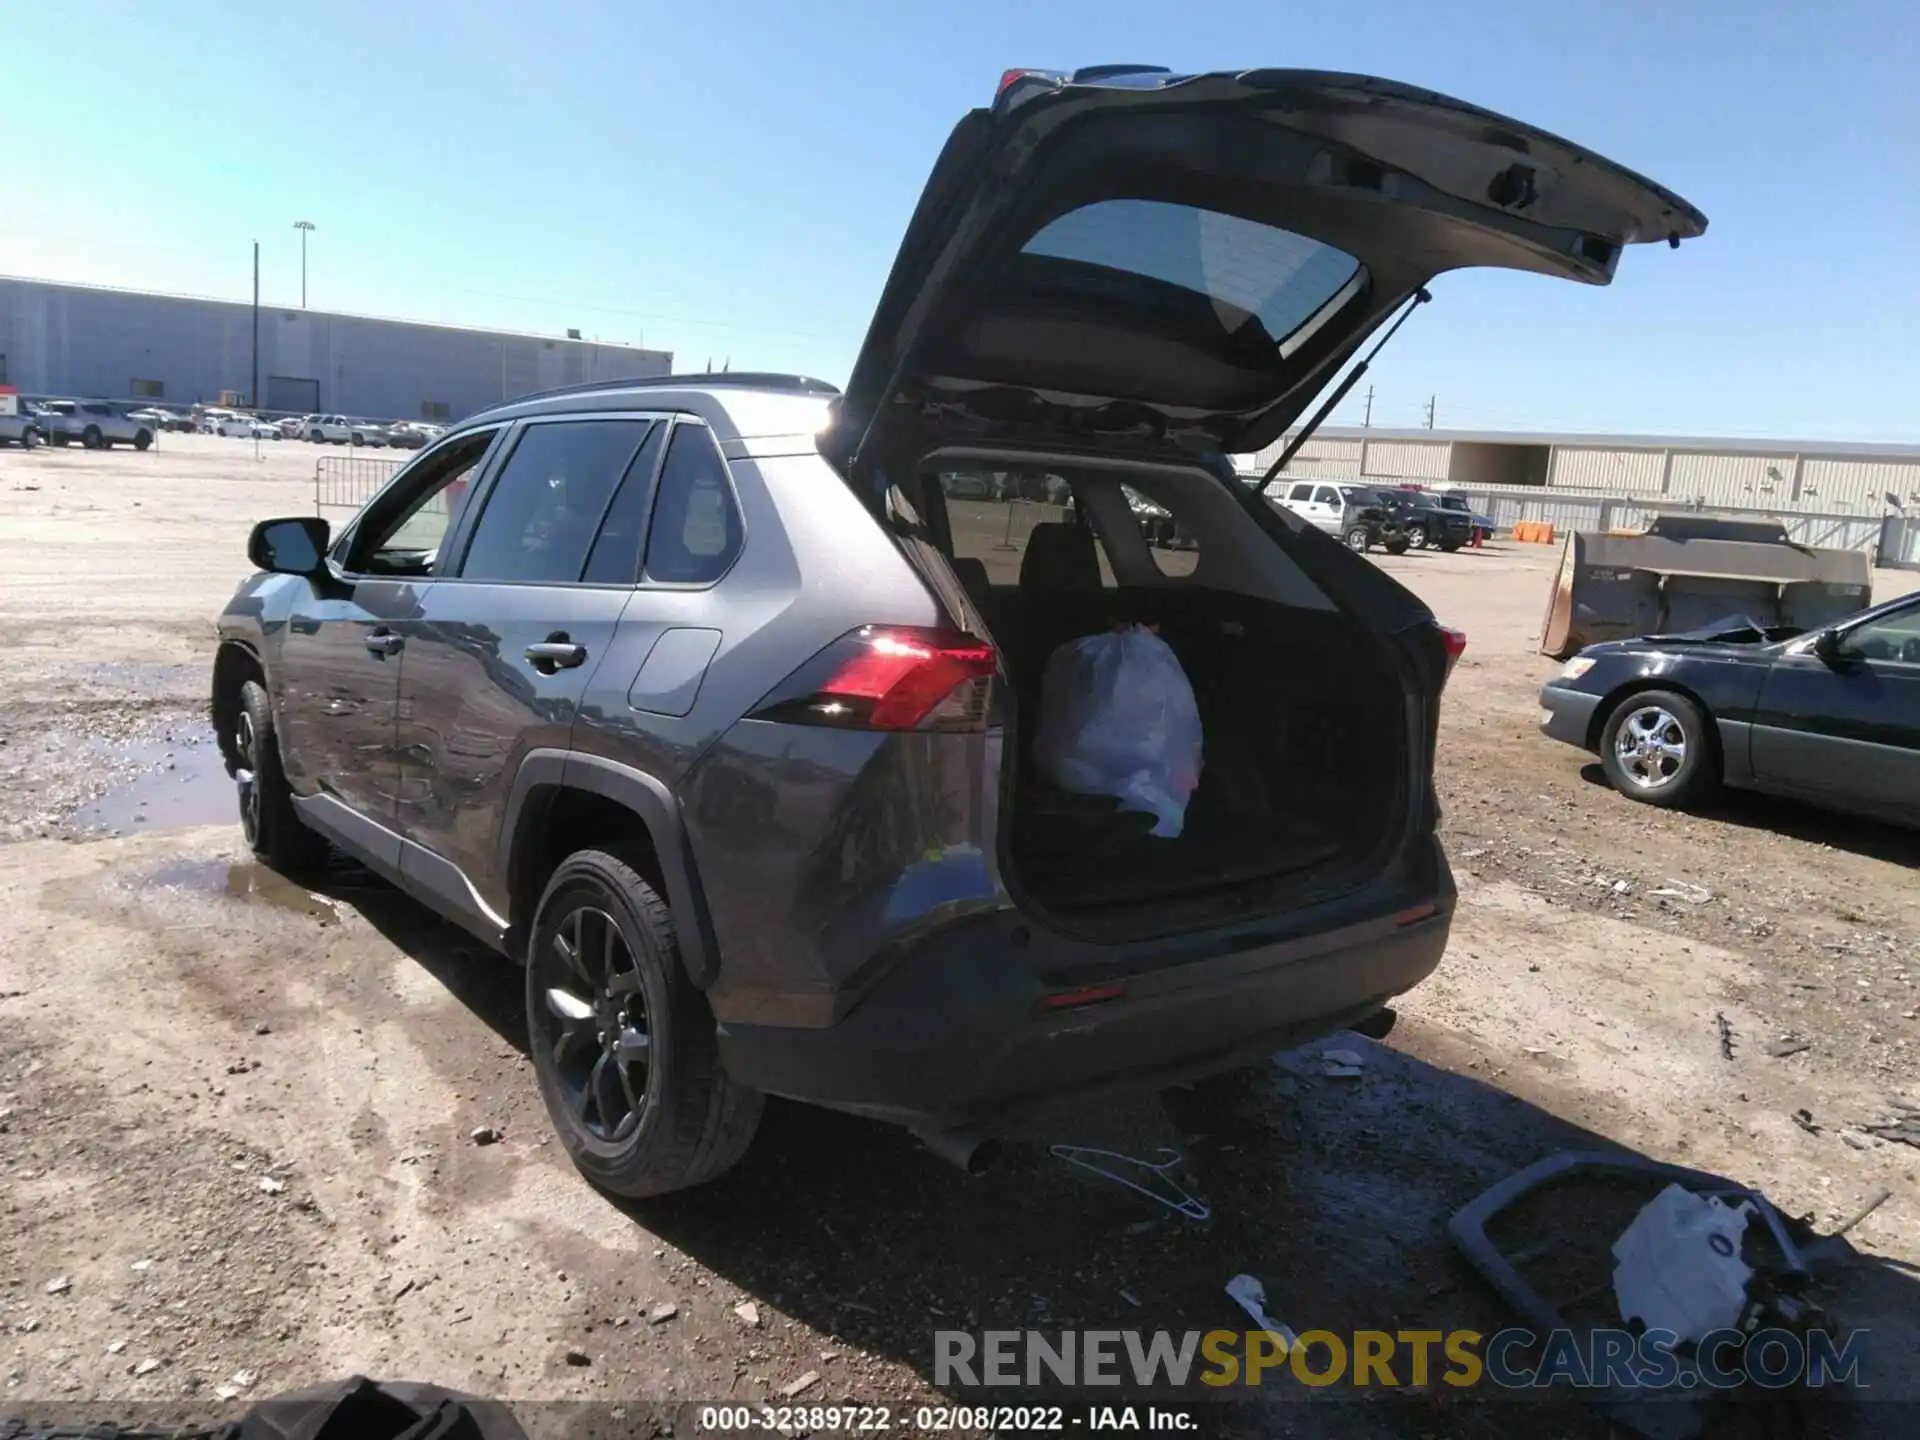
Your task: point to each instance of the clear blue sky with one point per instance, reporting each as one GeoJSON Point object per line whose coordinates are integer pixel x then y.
{"type": "Point", "coordinates": [729, 180]}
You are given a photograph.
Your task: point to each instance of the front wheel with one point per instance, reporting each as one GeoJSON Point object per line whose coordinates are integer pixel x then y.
{"type": "Point", "coordinates": [29, 439]}
{"type": "Point", "coordinates": [272, 827]}
{"type": "Point", "coordinates": [1357, 539]}
{"type": "Point", "coordinates": [1396, 547]}
{"type": "Point", "coordinates": [622, 1042]}
{"type": "Point", "coordinates": [61, 439]}
{"type": "Point", "coordinates": [91, 438]}
{"type": "Point", "coordinates": [143, 439]}
{"type": "Point", "coordinates": [1658, 748]}
{"type": "Point", "coordinates": [357, 440]}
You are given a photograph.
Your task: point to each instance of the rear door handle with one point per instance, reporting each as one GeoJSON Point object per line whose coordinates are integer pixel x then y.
{"type": "Point", "coordinates": [556, 652]}
{"type": "Point", "coordinates": [385, 642]}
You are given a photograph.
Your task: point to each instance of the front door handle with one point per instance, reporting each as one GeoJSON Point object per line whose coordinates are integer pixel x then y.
{"type": "Point", "coordinates": [556, 652]}
{"type": "Point", "coordinates": [385, 642]}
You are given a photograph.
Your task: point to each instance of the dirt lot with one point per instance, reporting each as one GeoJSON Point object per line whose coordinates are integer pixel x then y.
{"type": "Point", "coordinates": [234, 1114]}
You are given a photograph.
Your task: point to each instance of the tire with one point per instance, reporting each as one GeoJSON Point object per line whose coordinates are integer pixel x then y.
{"type": "Point", "coordinates": [316, 437]}
{"type": "Point", "coordinates": [92, 438]}
{"type": "Point", "coordinates": [357, 440]}
{"type": "Point", "coordinates": [1358, 538]}
{"type": "Point", "coordinates": [667, 1116]}
{"type": "Point", "coordinates": [1658, 747]}
{"type": "Point", "coordinates": [1417, 536]}
{"type": "Point", "coordinates": [29, 438]}
{"type": "Point", "coordinates": [61, 439]}
{"type": "Point", "coordinates": [142, 439]}
{"type": "Point", "coordinates": [272, 827]}
{"type": "Point", "coordinates": [1396, 547]}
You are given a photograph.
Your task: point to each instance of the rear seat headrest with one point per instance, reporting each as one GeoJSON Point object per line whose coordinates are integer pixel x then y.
{"type": "Point", "coordinates": [971, 572]}
{"type": "Point", "coordinates": [1060, 556]}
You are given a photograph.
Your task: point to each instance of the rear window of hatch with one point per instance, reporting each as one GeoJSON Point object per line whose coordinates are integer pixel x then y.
{"type": "Point", "coordinates": [1250, 274]}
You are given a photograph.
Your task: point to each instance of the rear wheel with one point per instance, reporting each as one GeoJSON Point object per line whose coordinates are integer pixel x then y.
{"type": "Point", "coordinates": [357, 440]}
{"type": "Point", "coordinates": [1357, 538]}
{"type": "Point", "coordinates": [1417, 536]}
{"type": "Point", "coordinates": [29, 438]}
{"type": "Point", "coordinates": [142, 439]}
{"type": "Point", "coordinates": [1657, 747]}
{"type": "Point", "coordinates": [622, 1042]}
{"type": "Point", "coordinates": [315, 436]}
{"type": "Point", "coordinates": [272, 826]}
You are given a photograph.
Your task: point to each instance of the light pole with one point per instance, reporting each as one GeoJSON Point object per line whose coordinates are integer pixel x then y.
{"type": "Point", "coordinates": [303, 226]}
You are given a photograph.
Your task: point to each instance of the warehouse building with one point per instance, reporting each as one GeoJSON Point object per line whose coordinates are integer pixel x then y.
{"type": "Point", "coordinates": [1814, 476]}
{"type": "Point", "coordinates": [176, 350]}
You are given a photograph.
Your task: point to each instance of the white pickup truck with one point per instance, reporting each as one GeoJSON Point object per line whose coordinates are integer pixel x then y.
{"type": "Point", "coordinates": [95, 424]}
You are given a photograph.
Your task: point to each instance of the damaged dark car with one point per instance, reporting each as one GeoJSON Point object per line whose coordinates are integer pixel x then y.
{"type": "Point", "coordinates": [1830, 716]}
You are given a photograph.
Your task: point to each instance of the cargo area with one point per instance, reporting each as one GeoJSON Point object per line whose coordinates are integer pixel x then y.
{"type": "Point", "coordinates": [1303, 750]}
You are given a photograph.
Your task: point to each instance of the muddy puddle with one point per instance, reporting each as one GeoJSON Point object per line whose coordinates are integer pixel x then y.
{"type": "Point", "coordinates": [180, 782]}
{"type": "Point", "coordinates": [246, 882]}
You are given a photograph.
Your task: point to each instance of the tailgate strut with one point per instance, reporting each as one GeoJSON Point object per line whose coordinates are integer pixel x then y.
{"type": "Point", "coordinates": [1420, 297]}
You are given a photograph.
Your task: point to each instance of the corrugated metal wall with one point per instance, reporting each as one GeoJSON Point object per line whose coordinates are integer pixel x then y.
{"type": "Point", "coordinates": [1408, 459]}
{"type": "Point", "coordinates": [1624, 472]}
{"type": "Point", "coordinates": [70, 340]}
{"type": "Point", "coordinates": [1857, 484]}
{"type": "Point", "coordinates": [1703, 478]}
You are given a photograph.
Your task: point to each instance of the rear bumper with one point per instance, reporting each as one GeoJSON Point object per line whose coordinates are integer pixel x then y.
{"type": "Point", "coordinates": [1567, 715]}
{"type": "Point", "coordinates": [956, 1036]}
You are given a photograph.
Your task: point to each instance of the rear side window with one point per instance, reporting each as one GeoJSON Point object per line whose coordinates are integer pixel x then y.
{"type": "Point", "coordinates": [615, 559]}
{"type": "Point", "coordinates": [695, 533]}
{"type": "Point", "coordinates": [1300, 494]}
{"type": "Point", "coordinates": [544, 511]}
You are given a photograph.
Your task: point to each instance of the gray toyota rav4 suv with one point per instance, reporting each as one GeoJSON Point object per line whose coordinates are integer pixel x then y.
{"type": "Point", "coordinates": [709, 700]}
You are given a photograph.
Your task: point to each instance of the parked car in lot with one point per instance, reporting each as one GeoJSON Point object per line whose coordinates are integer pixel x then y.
{"type": "Point", "coordinates": [366, 432]}
{"type": "Point", "coordinates": [724, 738]}
{"type": "Point", "coordinates": [329, 429]}
{"type": "Point", "coordinates": [1831, 716]}
{"type": "Point", "coordinates": [94, 424]}
{"type": "Point", "coordinates": [1358, 515]}
{"type": "Point", "coordinates": [24, 427]}
{"type": "Point", "coordinates": [1459, 504]}
{"type": "Point", "coordinates": [293, 427]}
{"type": "Point", "coordinates": [248, 427]}
{"type": "Point", "coordinates": [160, 419]}
{"type": "Point", "coordinates": [1426, 521]}
{"type": "Point", "coordinates": [412, 434]}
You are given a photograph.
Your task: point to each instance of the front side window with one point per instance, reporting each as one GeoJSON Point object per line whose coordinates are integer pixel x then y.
{"type": "Point", "coordinates": [695, 533]}
{"type": "Point", "coordinates": [1327, 495]}
{"type": "Point", "coordinates": [1894, 638]}
{"type": "Point", "coordinates": [546, 507]}
{"type": "Point", "coordinates": [407, 540]}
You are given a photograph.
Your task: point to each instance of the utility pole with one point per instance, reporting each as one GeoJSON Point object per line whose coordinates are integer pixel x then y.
{"type": "Point", "coordinates": [1430, 402]}
{"type": "Point", "coordinates": [1367, 420]}
{"type": "Point", "coordinates": [253, 395]}
{"type": "Point", "coordinates": [305, 227]}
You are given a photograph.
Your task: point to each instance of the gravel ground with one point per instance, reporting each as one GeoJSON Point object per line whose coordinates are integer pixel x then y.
{"type": "Point", "coordinates": [235, 1114]}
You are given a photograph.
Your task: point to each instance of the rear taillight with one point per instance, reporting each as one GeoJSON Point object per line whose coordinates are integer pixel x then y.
{"type": "Point", "coordinates": [890, 677]}
{"type": "Point", "coordinates": [1456, 643]}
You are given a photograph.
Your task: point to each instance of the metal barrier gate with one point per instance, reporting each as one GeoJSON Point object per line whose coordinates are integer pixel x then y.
{"type": "Point", "coordinates": [346, 482]}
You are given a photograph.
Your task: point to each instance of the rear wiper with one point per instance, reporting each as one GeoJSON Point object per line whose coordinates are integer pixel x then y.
{"type": "Point", "coordinates": [1420, 297]}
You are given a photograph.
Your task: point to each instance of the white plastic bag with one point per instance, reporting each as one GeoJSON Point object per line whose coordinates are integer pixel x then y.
{"type": "Point", "coordinates": [1117, 717]}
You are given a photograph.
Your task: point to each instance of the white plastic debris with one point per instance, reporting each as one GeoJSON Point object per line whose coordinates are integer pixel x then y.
{"type": "Point", "coordinates": [1678, 1264]}
{"type": "Point", "coordinates": [1251, 1296]}
{"type": "Point", "coordinates": [1118, 717]}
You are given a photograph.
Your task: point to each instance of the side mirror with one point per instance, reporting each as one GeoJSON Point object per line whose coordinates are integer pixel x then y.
{"type": "Point", "coordinates": [294, 545]}
{"type": "Point", "coordinates": [1827, 646]}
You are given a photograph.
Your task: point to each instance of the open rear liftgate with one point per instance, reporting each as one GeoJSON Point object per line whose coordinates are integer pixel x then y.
{"type": "Point", "coordinates": [1691, 570]}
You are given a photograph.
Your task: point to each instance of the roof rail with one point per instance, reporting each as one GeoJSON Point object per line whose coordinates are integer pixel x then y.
{"type": "Point", "coordinates": [741, 379]}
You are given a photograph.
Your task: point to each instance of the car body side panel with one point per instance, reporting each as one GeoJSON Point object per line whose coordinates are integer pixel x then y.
{"type": "Point", "coordinates": [1849, 735]}
{"type": "Point", "coordinates": [471, 706]}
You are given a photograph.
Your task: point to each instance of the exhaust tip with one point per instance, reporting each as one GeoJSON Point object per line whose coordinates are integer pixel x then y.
{"type": "Point", "coordinates": [971, 1153]}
